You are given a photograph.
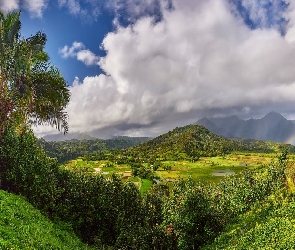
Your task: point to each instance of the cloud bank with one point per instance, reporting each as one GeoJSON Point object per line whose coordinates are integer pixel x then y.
{"type": "Point", "coordinates": [199, 58]}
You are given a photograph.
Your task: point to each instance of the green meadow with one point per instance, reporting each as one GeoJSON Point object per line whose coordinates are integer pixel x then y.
{"type": "Point", "coordinates": [206, 169]}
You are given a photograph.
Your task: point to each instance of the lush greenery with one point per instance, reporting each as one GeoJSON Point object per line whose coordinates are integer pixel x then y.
{"type": "Point", "coordinates": [109, 212]}
{"type": "Point", "coordinates": [91, 149]}
{"type": "Point", "coordinates": [24, 227]}
{"type": "Point", "coordinates": [206, 169]}
{"type": "Point", "coordinates": [189, 142]}
{"type": "Point", "coordinates": [268, 225]}
{"type": "Point", "coordinates": [31, 88]}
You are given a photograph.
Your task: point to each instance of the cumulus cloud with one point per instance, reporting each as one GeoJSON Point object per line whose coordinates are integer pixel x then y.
{"type": "Point", "coordinates": [200, 58]}
{"type": "Point", "coordinates": [78, 50]}
{"type": "Point", "coordinates": [35, 7]}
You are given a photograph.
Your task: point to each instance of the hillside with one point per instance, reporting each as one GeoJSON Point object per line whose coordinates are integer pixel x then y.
{"type": "Point", "coordinates": [272, 127]}
{"type": "Point", "coordinates": [268, 225]}
{"type": "Point", "coordinates": [24, 227]}
{"type": "Point", "coordinates": [191, 141]}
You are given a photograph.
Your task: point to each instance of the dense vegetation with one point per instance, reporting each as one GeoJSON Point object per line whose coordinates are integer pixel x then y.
{"type": "Point", "coordinates": [108, 212]}
{"type": "Point", "coordinates": [186, 143]}
{"type": "Point", "coordinates": [93, 148]}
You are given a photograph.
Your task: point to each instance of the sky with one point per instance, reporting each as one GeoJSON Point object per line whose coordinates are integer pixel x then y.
{"type": "Point", "coordinates": [143, 67]}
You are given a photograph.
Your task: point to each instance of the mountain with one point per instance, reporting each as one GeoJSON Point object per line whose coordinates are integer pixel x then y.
{"type": "Point", "coordinates": [69, 136]}
{"type": "Point", "coordinates": [272, 127]}
{"type": "Point", "coordinates": [189, 142]}
{"type": "Point", "coordinates": [213, 128]}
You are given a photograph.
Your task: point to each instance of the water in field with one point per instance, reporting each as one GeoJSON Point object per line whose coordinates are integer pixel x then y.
{"type": "Point", "coordinates": [223, 172]}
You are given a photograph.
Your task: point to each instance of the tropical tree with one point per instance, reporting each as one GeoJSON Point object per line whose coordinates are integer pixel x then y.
{"type": "Point", "coordinates": [32, 90]}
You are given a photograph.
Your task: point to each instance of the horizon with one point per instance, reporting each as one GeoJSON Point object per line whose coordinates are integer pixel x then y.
{"type": "Point", "coordinates": [77, 135]}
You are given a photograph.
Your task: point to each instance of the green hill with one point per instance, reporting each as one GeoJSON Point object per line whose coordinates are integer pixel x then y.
{"type": "Point", "coordinates": [189, 142]}
{"type": "Point", "coordinates": [194, 141]}
{"type": "Point", "coordinates": [24, 227]}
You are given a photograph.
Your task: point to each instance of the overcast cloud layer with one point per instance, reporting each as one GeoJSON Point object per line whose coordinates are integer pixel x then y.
{"type": "Point", "coordinates": [199, 57]}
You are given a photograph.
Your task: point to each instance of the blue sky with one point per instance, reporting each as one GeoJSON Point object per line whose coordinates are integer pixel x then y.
{"type": "Point", "coordinates": [143, 67]}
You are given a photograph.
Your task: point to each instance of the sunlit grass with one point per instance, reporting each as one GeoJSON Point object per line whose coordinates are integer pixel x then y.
{"type": "Point", "coordinates": [202, 170]}
{"type": "Point", "coordinates": [24, 227]}
{"type": "Point", "coordinates": [145, 186]}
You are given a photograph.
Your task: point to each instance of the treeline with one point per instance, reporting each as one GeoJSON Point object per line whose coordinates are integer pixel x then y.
{"type": "Point", "coordinates": [112, 214]}
{"type": "Point", "coordinates": [71, 149]}
{"type": "Point", "coordinates": [186, 143]}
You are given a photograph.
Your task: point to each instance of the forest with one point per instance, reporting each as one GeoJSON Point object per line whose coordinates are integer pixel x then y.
{"type": "Point", "coordinates": [84, 209]}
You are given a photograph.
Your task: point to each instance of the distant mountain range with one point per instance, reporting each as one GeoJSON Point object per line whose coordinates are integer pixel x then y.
{"type": "Point", "coordinates": [69, 136]}
{"type": "Point", "coordinates": [272, 127]}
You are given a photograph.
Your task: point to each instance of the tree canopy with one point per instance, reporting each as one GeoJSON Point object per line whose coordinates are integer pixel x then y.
{"type": "Point", "coordinates": [32, 90]}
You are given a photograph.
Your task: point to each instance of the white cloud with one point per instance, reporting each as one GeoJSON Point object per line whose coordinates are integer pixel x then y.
{"type": "Point", "coordinates": [35, 7]}
{"type": "Point", "coordinates": [87, 57]}
{"type": "Point", "coordinates": [198, 58]}
{"type": "Point", "coordinates": [9, 5]}
{"type": "Point", "coordinates": [67, 51]}
{"type": "Point", "coordinates": [100, 95]}
{"type": "Point", "coordinates": [78, 50]}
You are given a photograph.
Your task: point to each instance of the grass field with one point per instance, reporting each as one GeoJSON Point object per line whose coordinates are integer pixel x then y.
{"type": "Point", "coordinates": [206, 169]}
{"type": "Point", "coordinates": [24, 227]}
{"type": "Point", "coordinates": [145, 186]}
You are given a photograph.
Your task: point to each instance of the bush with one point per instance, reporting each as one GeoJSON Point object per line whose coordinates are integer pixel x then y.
{"type": "Point", "coordinates": [104, 212]}
{"type": "Point", "coordinates": [25, 169]}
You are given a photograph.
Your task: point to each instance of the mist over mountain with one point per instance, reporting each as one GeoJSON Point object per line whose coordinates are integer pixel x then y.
{"type": "Point", "coordinates": [271, 127]}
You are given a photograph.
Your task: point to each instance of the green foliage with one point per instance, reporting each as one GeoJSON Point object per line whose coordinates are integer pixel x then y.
{"type": "Point", "coordinates": [268, 225]}
{"type": "Point", "coordinates": [94, 149]}
{"type": "Point", "coordinates": [189, 216]}
{"type": "Point", "coordinates": [189, 142]}
{"type": "Point", "coordinates": [26, 169]}
{"type": "Point", "coordinates": [142, 171]}
{"type": "Point", "coordinates": [24, 227]}
{"type": "Point", "coordinates": [196, 214]}
{"type": "Point", "coordinates": [107, 212]}
{"type": "Point", "coordinates": [31, 89]}
{"type": "Point", "coordinates": [145, 186]}
{"type": "Point", "coordinates": [104, 212]}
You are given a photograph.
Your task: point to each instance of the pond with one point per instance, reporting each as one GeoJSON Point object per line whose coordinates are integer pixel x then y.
{"type": "Point", "coordinates": [222, 172]}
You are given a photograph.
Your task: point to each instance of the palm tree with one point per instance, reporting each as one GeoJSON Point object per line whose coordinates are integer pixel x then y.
{"type": "Point", "coordinates": [31, 89]}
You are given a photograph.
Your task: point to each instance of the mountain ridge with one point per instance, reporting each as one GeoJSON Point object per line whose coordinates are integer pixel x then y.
{"type": "Point", "coordinates": [271, 127]}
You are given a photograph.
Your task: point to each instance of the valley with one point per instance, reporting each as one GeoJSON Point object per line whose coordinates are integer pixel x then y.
{"type": "Point", "coordinates": [183, 153]}
{"type": "Point", "coordinates": [206, 169]}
